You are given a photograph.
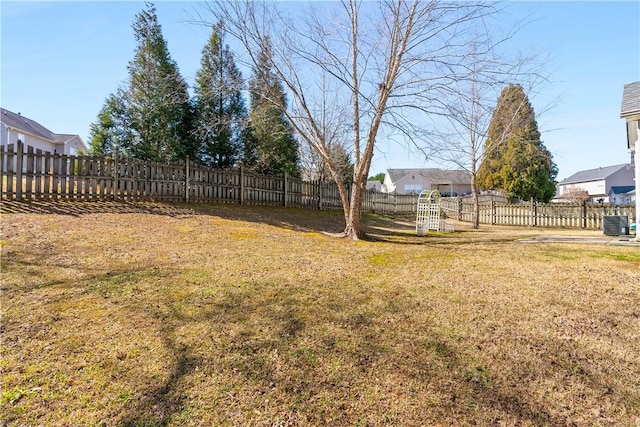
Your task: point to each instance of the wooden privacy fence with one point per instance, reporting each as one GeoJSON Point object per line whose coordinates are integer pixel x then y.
{"type": "Point", "coordinates": [533, 214]}
{"type": "Point", "coordinates": [39, 175]}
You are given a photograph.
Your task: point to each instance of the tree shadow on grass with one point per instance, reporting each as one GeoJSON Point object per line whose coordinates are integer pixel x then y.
{"type": "Point", "coordinates": [289, 218]}
{"type": "Point", "coordinates": [318, 363]}
{"type": "Point", "coordinates": [398, 229]}
{"type": "Point", "coordinates": [46, 305]}
{"type": "Point", "coordinates": [85, 207]}
{"type": "Point", "coordinates": [316, 353]}
{"type": "Point", "coordinates": [357, 337]}
{"type": "Point", "coordinates": [158, 405]}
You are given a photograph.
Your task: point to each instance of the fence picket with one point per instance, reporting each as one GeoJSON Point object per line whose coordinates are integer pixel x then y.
{"type": "Point", "coordinates": [29, 175]}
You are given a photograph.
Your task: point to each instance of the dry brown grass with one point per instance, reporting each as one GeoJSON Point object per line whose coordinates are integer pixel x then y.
{"type": "Point", "coordinates": [161, 315]}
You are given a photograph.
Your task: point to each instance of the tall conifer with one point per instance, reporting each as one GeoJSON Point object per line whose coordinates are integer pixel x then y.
{"type": "Point", "coordinates": [159, 107]}
{"type": "Point", "coordinates": [220, 109]}
{"type": "Point", "coordinates": [150, 117]}
{"type": "Point", "coordinates": [271, 147]}
{"type": "Point", "coordinates": [518, 164]}
{"type": "Point", "coordinates": [111, 130]}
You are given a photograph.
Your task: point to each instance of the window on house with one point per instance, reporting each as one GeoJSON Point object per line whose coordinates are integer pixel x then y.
{"type": "Point", "coordinates": [412, 188]}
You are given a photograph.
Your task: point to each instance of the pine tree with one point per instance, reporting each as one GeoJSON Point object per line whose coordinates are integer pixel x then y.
{"type": "Point", "coordinates": [517, 163]}
{"type": "Point", "coordinates": [219, 105]}
{"type": "Point", "coordinates": [159, 107]}
{"type": "Point", "coordinates": [111, 130]}
{"type": "Point", "coordinates": [270, 147]}
{"type": "Point", "coordinates": [151, 117]}
{"type": "Point", "coordinates": [342, 162]}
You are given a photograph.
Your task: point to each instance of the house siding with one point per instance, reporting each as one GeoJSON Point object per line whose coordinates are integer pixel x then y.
{"type": "Point", "coordinates": [600, 189]}
{"type": "Point", "coordinates": [33, 134]}
{"type": "Point", "coordinates": [595, 189]}
{"type": "Point", "coordinates": [413, 182]}
{"type": "Point", "coordinates": [11, 136]}
{"type": "Point", "coordinates": [620, 178]}
{"type": "Point", "coordinates": [71, 146]}
{"type": "Point", "coordinates": [417, 180]}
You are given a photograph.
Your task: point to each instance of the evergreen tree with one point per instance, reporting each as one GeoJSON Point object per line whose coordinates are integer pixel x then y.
{"type": "Point", "coordinates": [220, 109]}
{"type": "Point", "coordinates": [377, 177]}
{"type": "Point", "coordinates": [111, 129]}
{"type": "Point", "coordinates": [151, 117]}
{"type": "Point", "coordinates": [159, 109]}
{"type": "Point", "coordinates": [518, 164]}
{"type": "Point", "coordinates": [270, 146]}
{"type": "Point", "coordinates": [341, 162]}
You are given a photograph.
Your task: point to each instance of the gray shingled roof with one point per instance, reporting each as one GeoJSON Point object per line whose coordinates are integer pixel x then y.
{"type": "Point", "coordinates": [11, 119]}
{"type": "Point", "coordinates": [26, 125]}
{"type": "Point", "coordinates": [622, 189]}
{"type": "Point", "coordinates": [630, 99]}
{"type": "Point", "coordinates": [63, 137]}
{"type": "Point", "coordinates": [434, 175]}
{"type": "Point", "coordinates": [593, 174]}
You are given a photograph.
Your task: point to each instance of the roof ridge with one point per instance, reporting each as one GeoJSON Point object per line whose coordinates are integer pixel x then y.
{"type": "Point", "coordinates": [630, 104]}
{"type": "Point", "coordinates": [25, 124]}
{"type": "Point", "coordinates": [593, 174]}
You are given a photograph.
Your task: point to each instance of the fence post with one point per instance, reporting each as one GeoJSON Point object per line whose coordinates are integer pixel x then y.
{"type": "Point", "coordinates": [534, 212]}
{"type": "Point", "coordinates": [584, 214]}
{"type": "Point", "coordinates": [2, 169]}
{"type": "Point", "coordinates": [19, 160]}
{"type": "Point", "coordinates": [241, 184]}
{"type": "Point", "coordinates": [114, 189]}
{"type": "Point", "coordinates": [459, 208]}
{"type": "Point", "coordinates": [30, 171]}
{"type": "Point", "coordinates": [492, 207]}
{"type": "Point", "coordinates": [284, 190]}
{"type": "Point", "coordinates": [186, 179]}
{"type": "Point", "coordinates": [10, 170]}
{"type": "Point", "coordinates": [374, 196]}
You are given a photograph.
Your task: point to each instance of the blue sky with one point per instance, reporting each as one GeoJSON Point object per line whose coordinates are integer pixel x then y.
{"type": "Point", "coordinates": [60, 60]}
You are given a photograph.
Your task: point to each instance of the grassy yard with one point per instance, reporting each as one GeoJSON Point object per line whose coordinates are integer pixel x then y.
{"type": "Point", "coordinates": [123, 314]}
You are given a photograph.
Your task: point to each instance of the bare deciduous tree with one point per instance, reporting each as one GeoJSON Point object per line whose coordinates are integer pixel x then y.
{"type": "Point", "coordinates": [575, 195]}
{"type": "Point", "coordinates": [383, 60]}
{"type": "Point", "coordinates": [468, 104]}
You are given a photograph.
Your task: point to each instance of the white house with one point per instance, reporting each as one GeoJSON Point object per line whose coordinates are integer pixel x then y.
{"type": "Point", "coordinates": [374, 185]}
{"type": "Point", "coordinates": [407, 181]}
{"type": "Point", "coordinates": [596, 182]}
{"type": "Point", "coordinates": [630, 112]}
{"type": "Point", "coordinates": [622, 195]}
{"type": "Point", "coordinates": [14, 127]}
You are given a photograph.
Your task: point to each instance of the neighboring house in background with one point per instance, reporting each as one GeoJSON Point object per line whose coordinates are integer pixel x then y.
{"type": "Point", "coordinates": [408, 181]}
{"type": "Point", "coordinates": [374, 185]}
{"type": "Point", "coordinates": [622, 195]}
{"type": "Point", "coordinates": [596, 182]}
{"type": "Point", "coordinates": [15, 126]}
{"type": "Point", "coordinates": [630, 112]}
{"type": "Point", "coordinates": [632, 196]}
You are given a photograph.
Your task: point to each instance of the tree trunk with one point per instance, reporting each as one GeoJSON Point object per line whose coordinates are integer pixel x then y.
{"type": "Point", "coordinates": [352, 209]}
{"type": "Point", "coordinates": [353, 217]}
{"type": "Point", "coordinates": [475, 220]}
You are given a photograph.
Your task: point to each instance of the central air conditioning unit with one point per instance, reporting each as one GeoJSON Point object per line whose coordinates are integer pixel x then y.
{"type": "Point", "coordinates": [615, 225]}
